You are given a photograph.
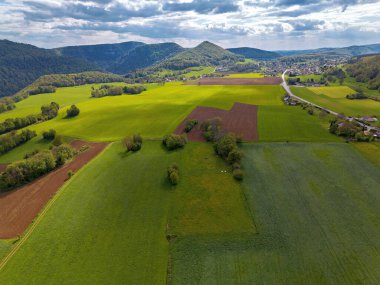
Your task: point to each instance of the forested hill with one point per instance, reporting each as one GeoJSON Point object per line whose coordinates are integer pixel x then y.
{"type": "Point", "coordinates": [104, 55]}
{"type": "Point", "coordinates": [21, 64]}
{"type": "Point", "coordinates": [254, 53]}
{"type": "Point", "coordinates": [205, 54]}
{"type": "Point", "coordinates": [346, 51]}
{"type": "Point", "coordinates": [366, 69]}
{"type": "Point", "coordinates": [145, 56]}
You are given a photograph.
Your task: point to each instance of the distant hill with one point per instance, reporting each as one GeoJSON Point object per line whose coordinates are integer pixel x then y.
{"type": "Point", "coordinates": [205, 54]}
{"type": "Point", "coordinates": [366, 69]}
{"type": "Point", "coordinates": [21, 64]}
{"type": "Point", "coordinates": [145, 56]}
{"type": "Point", "coordinates": [104, 55]}
{"type": "Point", "coordinates": [254, 53]}
{"type": "Point", "coordinates": [345, 51]}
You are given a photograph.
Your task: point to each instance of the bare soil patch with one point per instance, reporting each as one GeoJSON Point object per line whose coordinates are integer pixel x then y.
{"type": "Point", "coordinates": [241, 119]}
{"type": "Point", "coordinates": [18, 208]}
{"type": "Point", "coordinates": [236, 81]}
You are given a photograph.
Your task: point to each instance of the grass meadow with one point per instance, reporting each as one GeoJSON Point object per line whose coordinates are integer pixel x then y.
{"type": "Point", "coordinates": [132, 209]}
{"type": "Point", "coordinates": [160, 109]}
{"type": "Point", "coordinates": [335, 99]}
{"type": "Point", "coordinates": [315, 208]}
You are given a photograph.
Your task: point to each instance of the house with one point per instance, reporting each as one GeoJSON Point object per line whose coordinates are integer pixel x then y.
{"type": "Point", "coordinates": [368, 119]}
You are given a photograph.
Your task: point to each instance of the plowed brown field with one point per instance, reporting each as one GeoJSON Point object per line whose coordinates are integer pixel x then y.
{"type": "Point", "coordinates": [18, 208]}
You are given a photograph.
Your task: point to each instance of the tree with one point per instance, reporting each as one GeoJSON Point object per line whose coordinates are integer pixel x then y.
{"type": "Point", "coordinates": [72, 111]}
{"type": "Point", "coordinates": [174, 141]}
{"type": "Point", "coordinates": [132, 143]}
{"type": "Point", "coordinates": [49, 135]}
{"type": "Point", "coordinates": [63, 153]}
{"type": "Point", "coordinates": [173, 174]}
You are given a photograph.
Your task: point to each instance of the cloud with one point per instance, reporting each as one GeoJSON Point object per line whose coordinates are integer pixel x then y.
{"type": "Point", "coordinates": [203, 6]}
{"type": "Point", "coordinates": [268, 24]}
{"type": "Point", "coordinates": [108, 11]}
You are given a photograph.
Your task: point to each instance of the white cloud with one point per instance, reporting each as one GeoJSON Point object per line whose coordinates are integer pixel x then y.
{"type": "Point", "coordinates": [268, 24]}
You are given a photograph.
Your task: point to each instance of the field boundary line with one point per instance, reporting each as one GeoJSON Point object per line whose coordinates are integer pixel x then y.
{"type": "Point", "coordinates": [30, 230]}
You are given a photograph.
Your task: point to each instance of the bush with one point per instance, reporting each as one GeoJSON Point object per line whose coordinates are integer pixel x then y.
{"type": "Point", "coordinates": [70, 174]}
{"type": "Point", "coordinates": [49, 135]}
{"type": "Point", "coordinates": [106, 90]}
{"type": "Point", "coordinates": [190, 125]}
{"type": "Point", "coordinates": [58, 140]}
{"type": "Point", "coordinates": [225, 145]}
{"type": "Point", "coordinates": [234, 156]}
{"type": "Point", "coordinates": [238, 174]}
{"type": "Point", "coordinates": [72, 111]}
{"type": "Point", "coordinates": [173, 174]}
{"type": "Point", "coordinates": [135, 89]}
{"type": "Point", "coordinates": [212, 129]}
{"type": "Point", "coordinates": [173, 141]}
{"type": "Point", "coordinates": [132, 143]}
{"type": "Point", "coordinates": [63, 153]}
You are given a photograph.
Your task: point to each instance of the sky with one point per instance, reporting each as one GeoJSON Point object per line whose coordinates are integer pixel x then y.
{"type": "Point", "coordinates": [265, 24]}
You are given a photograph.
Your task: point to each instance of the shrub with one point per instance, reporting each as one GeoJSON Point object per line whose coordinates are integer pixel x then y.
{"type": "Point", "coordinates": [234, 156]}
{"type": "Point", "coordinates": [50, 111]}
{"type": "Point", "coordinates": [49, 135]}
{"type": "Point", "coordinates": [63, 153]}
{"type": "Point", "coordinates": [134, 89]}
{"type": "Point", "coordinates": [173, 174]}
{"type": "Point", "coordinates": [173, 141]}
{"type": "Point", "coordinates": [72, 111]}
{"type": "Point", "coordinates": [58, 140]}
{"type": "Point", "coordinates": [190, 125]}
{"type": "Point", "coordinates": [132, 143]}
{"type": "Point", "coordinates": [225, 145]}
{"type": "Point", "coordinates": [70, 174]}
{"type": "Point", "coordinates": [106, 90]}
{"type": "Point", "coordinates": [212, 129]}
{"type": "Point", "coordinates": [238, 174]}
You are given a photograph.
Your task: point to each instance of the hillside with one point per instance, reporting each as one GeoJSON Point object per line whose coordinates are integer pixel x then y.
{"type": "Point", "coordinates": [144, 56]}
{"type": "Point", "coordinates": [366, 69]}
{"type": "Point", "coordinates": [204, 54]}
{"type": "Point", "coordinates": [21, 64]}
{"type": "Point", "coordinates": [104, 55]}
{"type": "Point", "coordinates": [254, 53]}
{"type": "Point", "coordinates": [345, 51]}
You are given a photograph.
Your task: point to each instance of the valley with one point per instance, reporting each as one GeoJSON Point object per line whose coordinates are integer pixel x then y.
{"type": "Point", "coordinates": [193, 166]}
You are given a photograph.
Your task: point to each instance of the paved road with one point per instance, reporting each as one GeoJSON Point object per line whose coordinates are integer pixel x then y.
{"type": "Point", "coordinates": [290, 93]}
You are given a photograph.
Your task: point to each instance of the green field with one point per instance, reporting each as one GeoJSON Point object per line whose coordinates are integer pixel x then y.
{"type": "Point", "coordinates": [316, 211]}
{"type": "Point", "coordinates": [159, 110]}
{"type": "Point", "coordinates": [132, 209]}
{"type": "Point", "coordinates": [334, 99]}
{"type": "Point", "coordinates": [245, 75]}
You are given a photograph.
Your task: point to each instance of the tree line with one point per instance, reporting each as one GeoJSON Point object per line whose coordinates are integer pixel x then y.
{"type": "Point", "coordinates": [34, 165]}
{"type": "Point", "coordinates": [47, 112]}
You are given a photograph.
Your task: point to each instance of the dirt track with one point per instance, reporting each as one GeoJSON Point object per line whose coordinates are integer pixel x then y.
{"type": "Point", "coordinates": [236, 81]}
{"type": "Point", "coordinates": [19, 207]}
{"type": "Point", "coordinates": [241, 119]}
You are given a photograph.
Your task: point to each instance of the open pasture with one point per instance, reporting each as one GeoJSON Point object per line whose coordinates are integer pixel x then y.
{"type": "Point", "coordinates": [335, 99]}
{"type": "Point", "coordinates": [132, 208]}
{"type": "Point", "coordinates": [161, 109]}
{"type": "Point", "coordinates": [315, 208]}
